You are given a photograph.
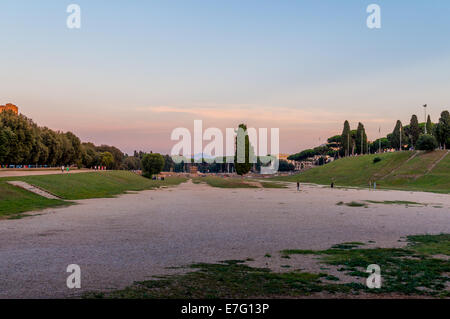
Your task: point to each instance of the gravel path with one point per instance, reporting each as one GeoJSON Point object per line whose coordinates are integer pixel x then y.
{"type": "Point", "coordinates": [120, 240]}
{"type": "Point", "coordinates": [33, 189]}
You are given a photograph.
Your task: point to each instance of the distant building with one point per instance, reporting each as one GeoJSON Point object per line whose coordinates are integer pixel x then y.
{"type": "Point", "coordinates": [9, 107]}
{"type": "Point", "coordinates": [193, 169]}
{"type": "Point", "coordinates": [284, 157]}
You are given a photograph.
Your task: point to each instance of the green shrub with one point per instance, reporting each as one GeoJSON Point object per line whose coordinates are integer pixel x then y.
{"type": "Point", "coordinates": [376, 160]}
{"type": "Point", "coordinates": [426, 142]}
{"type": "Point", "coordinates": [152, 164]}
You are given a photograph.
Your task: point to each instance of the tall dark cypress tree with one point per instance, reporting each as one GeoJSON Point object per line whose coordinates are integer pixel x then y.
{"type": "Point", "coordinates": [414, 130]}
{"type": "Point", "coordinates": [346, 139]}
{"type": "Point", "coordinates": [429, 126]}
{"type": "Point", "coordinates": [395, 136]}
{"type": "Point", "coordinates": [443, 130]}
{"type": "Point", "coordinates": [242, 158]}
{"type": "Point", "coordinates": [361, 139]}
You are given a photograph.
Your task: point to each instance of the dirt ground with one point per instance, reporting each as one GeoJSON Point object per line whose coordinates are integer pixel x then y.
{"type": "Point", "coordinates": [134, 236]}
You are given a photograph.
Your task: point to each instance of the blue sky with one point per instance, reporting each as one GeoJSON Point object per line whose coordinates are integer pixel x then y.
{"type": "Point", "coordinates": [138, 69]}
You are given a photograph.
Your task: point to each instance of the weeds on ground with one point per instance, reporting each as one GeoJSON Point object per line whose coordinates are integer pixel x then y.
{"type": "Point", "coordinates": [413, 270]}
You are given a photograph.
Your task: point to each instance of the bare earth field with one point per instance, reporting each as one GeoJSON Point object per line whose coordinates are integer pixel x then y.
{"type": "Point", "coordinates": [134, 236]}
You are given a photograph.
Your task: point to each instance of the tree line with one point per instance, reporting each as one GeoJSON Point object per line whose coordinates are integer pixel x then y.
{"type": "Point", "coordinates": [415, 135]}
{"type": "Point", "coordinates": [23, 142]}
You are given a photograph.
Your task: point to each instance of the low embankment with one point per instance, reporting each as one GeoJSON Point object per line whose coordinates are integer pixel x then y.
{"type": "Point", "coordinates": [408, 170]}
{"type": "Point", "coordinates": [15, 200]}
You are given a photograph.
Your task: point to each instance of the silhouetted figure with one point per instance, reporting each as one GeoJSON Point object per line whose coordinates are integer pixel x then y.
{"type": "Point", "coordinates": [298, 186]}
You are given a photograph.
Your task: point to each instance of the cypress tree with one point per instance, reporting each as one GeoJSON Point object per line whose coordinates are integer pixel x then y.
{"type": "Point", "coordinates": [414, 130]}
{"type": "Point", "coordinates": [242, 158]}
{"type": "Point", "coordinates": [346, 138]}
{"type": "Point", "coordinates": [443, 130]}
{"type": "Point", "coordinates": [361, 139]}
{"type": "Point", "coordinates": [429, 125]}
{"type": "Point", "coordinates": [395, 136]}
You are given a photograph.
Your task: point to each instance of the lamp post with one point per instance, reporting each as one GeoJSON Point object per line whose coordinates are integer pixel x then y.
{"type": "Point", "coordinates": [425, 111]}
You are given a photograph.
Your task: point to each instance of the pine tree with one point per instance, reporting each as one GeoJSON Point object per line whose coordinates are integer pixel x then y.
{"type": "Point", "coordinates": [346, 138]}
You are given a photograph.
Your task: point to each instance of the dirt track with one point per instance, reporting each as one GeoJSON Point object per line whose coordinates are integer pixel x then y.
{"type": "Point", "coordinates": [117, 241]}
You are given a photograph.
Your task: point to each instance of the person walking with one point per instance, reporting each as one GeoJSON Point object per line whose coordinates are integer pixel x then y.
{"type": "Point", "coordinates": [298, 186]}
{"type": "Point", "coordinates": [62, 169]}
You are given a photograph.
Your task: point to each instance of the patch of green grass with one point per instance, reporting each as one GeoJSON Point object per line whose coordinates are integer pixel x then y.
{"type": "Point", "coordinates": [349, 245]}
{"type": "Point", "coordinates": [272, 185]}
{"type": "Point", "coordinates": [299, 252]}
{"type": "Point", "coordinates": [18, 216]}
{"type": "Point", "coordinates": [331, 277]}
{"type": "Point", "coordinates": [351, 171]}
{"type": "Point", "coordinates": [430, 244]}
{"type": "Point", "coordinates": [394, 171]}
{"type": "Point", "coordinates": [395, 202]}
{"type": "Point", "coordinates": [95, 184]}
{"type": "Point", "coordinates": [15, 200]}
{"type": "Point", "coordinates": [355, 204]}
{"type": "Point", "coordinates": [225, 280]}
{"type": "Point", "coordinates": [229, 182]}
{"type": "Point", "coordinates": [410, 271]}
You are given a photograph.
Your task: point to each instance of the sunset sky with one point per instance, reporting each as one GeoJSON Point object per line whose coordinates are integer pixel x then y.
{"type": "Point", "coordinates": [138, 69]}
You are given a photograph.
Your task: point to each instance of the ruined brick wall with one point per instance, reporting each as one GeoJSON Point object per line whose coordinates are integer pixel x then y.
{"type": "Point", "coordinates": [9, 106]}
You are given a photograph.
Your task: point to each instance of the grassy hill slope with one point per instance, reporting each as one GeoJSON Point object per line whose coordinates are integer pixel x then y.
{"type": "Point", "coordinates": [400, 170]}
{"type": "Point", "coordinates": [95, 184]}
{"type": "Point", "coordinates": [15, 200]}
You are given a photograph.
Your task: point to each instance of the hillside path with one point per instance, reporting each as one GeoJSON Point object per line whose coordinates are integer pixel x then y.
{"type": "Point", "coordinates": [432, 166]}
{"type": "Point", "coordinates": [33, 189]}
